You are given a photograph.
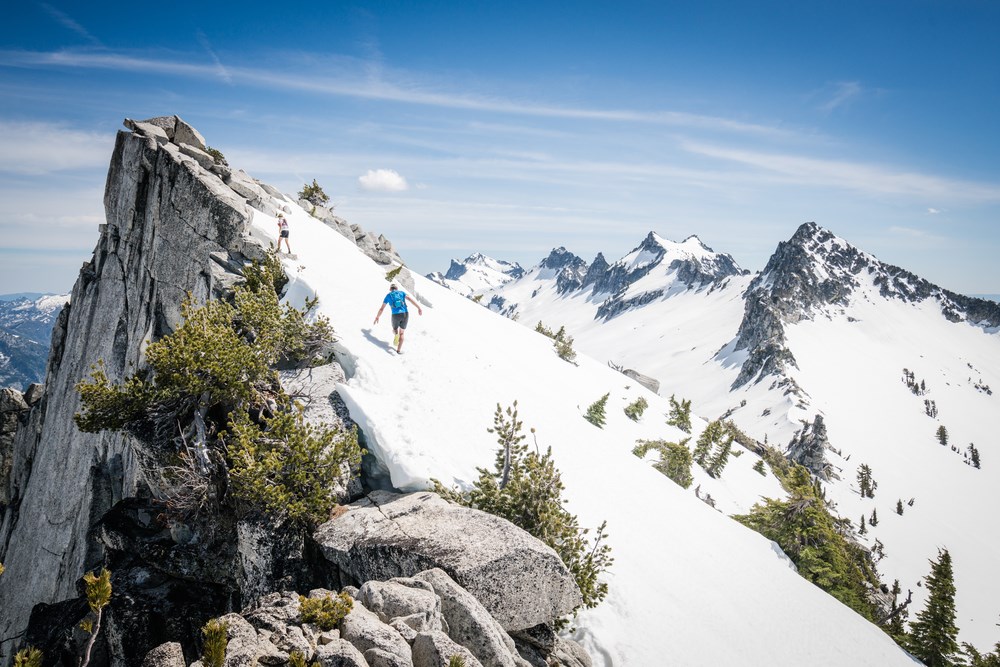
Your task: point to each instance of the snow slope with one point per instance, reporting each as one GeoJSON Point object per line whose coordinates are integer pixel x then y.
{"type": "Point", "coordinates": [688, 587]}
{"type": "Point", "coordinates": [850, 359]}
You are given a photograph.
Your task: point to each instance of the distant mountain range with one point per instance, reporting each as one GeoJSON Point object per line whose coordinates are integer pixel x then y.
{"type": "Point", "coordinates": [26, 322]}
{"type": "Point", "coordinates": [837, 357]}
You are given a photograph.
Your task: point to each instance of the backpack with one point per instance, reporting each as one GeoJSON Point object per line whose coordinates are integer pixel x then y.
{"type": "Point", "coordinates": [397, 300]}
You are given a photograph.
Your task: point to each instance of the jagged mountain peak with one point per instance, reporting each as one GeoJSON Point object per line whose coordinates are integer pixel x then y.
{"type": "Point", "coordinates": [476, 273]}
{"type": "Point", "coordinates": [560, 258]}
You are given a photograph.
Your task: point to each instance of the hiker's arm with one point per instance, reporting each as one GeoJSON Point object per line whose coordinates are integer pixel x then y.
{"type": "Point", "coordinates": [419, 312]}
{"type": "Point", "coordinates": [379, 313]}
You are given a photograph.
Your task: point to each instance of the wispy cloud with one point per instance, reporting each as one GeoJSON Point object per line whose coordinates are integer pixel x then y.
{"type": "Point", "coordinates": [41, 148]}
{"type": "Point", "coordinates": [383, 180]}
{"type": "Point", "coordinates": [844, 93]}
{"type": "Point", "coordinates": [219, 67]}
{"type": "Point", "coordinates": [933, 211]}
{"type": "Point", "coordinates": [371, 84]}
{"type": "Point", "coordinates": [67, 22]}
{"type": "Point", "coordinates": [851, 175]}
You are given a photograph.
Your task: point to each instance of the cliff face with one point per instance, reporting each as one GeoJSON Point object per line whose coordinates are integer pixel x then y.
{"type": "Point", "coordinates": [172, 228]}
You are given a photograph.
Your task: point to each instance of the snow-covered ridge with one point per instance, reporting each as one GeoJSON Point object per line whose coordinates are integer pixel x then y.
{"type": "Point", "coordinates": [724, 593]}
{"type": "Point", "coordinates": [477, 273]}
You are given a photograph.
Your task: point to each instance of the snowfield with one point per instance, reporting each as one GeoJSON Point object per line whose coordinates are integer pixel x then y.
{"type": "Point", "coordinates": [689, 586]}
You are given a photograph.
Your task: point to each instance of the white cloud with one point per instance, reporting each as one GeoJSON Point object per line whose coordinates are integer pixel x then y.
{"type": "Point", "coordinates": [383, 180]}
{"type": "Point", "coordinates": [933, 211]}
{"type": "Point", "coordinates": [67, 22]}
{"type": "Point", "coordinates": [851, 175]}
{"type": "Point", "coordinates": [844, 92]}
{"type": "Point", "coordinates": [40, 148]}
{"type": "Point", "coordinates": [374, 85]}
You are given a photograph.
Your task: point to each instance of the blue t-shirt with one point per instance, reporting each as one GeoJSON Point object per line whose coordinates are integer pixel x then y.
{"type": "Point", "coordinates": [397, 301]}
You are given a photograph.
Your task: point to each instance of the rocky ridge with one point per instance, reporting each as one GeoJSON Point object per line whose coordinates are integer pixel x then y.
{"type": "Point", "coordinates": [177, 224]}
{"type": "Point", "coordinates": [477, 273]}
{"type": "Point", "coordinates": [816, 273]}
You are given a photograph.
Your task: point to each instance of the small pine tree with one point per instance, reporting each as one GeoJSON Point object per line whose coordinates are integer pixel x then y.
{"type": "Point", "coordinates": [898, 614]}
{"type": "Point", "coordinates": [563, 343]}
{"type": "Point", "coordinates": [217, 156]}
{"type": "Point", "coordinates": [942, 434]}
{"type": "Point", "coordinates": [721, 456]}
{"type": "Point", "coordinates": [934, 635]}
{"type": "Point", "coordinates": [863, 529]}
{"type": "Point", "coordinates": [973, 455]}
{"type": "Point", "coordinates": [759, 467]}
{"type": "Point", "coordinates": [635, 409]}
{"type": "Point", "coordinates": [899, 507]}
{"type": "Point", "coordinates": [675, 459]}
{"type": "Point", "coordinates": [873, 521]}
{"type": "Point", "coordinates": [595, 413]}
{"type": "Point", "coordinates": [314, 194]}
{"type": "Point", "coordinates": [97, 588]}
{"type": "Point", "coordinates": [28, 657]}
{"type": "Point", "coordinates": [544, 330]}
{"type": "Point", "coordinates": [215, 639]}
{"type": "Point", "coordinates": [865, 481]}
{"type": "Point", "coordinates": [680, 414]}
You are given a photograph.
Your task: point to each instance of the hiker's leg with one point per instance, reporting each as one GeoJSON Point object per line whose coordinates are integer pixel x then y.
{"type": "Point", "coordinates": [400, 346]}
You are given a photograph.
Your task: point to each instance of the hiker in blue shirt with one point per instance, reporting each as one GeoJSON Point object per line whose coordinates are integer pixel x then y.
{"type": "Point", "coordinates": [397, 303]}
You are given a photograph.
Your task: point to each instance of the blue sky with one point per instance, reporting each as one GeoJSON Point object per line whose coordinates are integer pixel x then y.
{"type": "Point", "coordinates": [510, 128]}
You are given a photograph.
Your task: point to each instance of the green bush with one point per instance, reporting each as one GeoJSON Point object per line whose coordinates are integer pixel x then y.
{"type": "Point", "coordinates": [211, 387]}
{"type": "Point", "coordinates": [217, 156]}
{"type": "Point", "coordinates": [526, 489]}
{"type": "Point", "coordinates": [675, 459]}
{"type": "Point", "coordinates": [214, 642]}
{"type": "Point", "coordinates": [680, 414]}
{"type": "Point", "coordinates": [289, 468]}
{"type": "Point", "coordinates": [456, 661]}
{"type": "Point", "coordinates": [28, 657]}
{"type": "Point", "coordinates": [595, 413]}
{"type": "Point", "coordinates": [815, 541]}
{"type": "Point", "coordinates": [298, 659]}
{"type": "Point", "coordinates": [326, 612]}
{"type": "Point", "coordinates": [313, 194]}
{"type": "Point", "coordinates": [635, 409]}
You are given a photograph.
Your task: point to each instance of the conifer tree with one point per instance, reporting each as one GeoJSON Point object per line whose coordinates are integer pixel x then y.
{"type": "Point", "coordinates": [974, 455]}
{"type": "Point", "coordinates": [863, 529]}
{"type": "Point", "coordinates": [933, 635]}
{"type": "Point", "coordinates": [675, 459]}
{"type": "Point", "coordinates": [680, 414]}
{"type": "Point", "coordinates": [897, 615]}
{"type": "Point", "coordinates": [721, 456]}
{"type": "Point", "coordinates": [759, 467]}
{"type": "Point", "coordinates": [865, 482]}
{"type": "Point", "coordinates": [942, 434]}
{"type": "Point", "coordinates": [899, 507]}
{"type": "Point", "coordinates": [595, 413]}
{"type": "Point", "coordinates": [635, 409]}
{"type": "Point", "coordinates": [873, 521]}
{"type": "Point", "coordinates": [563, 343]}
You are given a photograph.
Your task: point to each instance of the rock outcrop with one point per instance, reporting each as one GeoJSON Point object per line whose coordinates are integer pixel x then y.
{"type": "Point", "coordinates": [808, 448]}
{"type": "Point", "coordinates": [518, 579]}
{"type": "Point", "coordinates": [404, 622]}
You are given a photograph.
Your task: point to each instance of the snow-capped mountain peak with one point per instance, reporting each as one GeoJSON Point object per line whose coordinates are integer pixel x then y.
{"type": "Point", "coordinates": [477, 273]}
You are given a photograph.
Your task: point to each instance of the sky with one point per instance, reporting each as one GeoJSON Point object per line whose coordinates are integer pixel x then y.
{"type": "Point", "coordinates": [511, 128]}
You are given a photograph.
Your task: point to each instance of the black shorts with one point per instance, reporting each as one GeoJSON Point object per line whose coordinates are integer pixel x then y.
{"type": "Point", "coordinates": [284, 233]}
{"type": "Point", "coordinates": [399, 320]}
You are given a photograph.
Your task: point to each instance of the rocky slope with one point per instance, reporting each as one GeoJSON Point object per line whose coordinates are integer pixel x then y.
{"type": "Point", "coordinates": [25, 330]}
{"type": "Point", "coordinates": [178, 223]}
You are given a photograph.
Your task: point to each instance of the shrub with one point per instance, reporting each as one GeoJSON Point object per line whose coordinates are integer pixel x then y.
{"type": "Point", "coordinates": [680, 414]}
{"type": "Point", "coordinates": [675, 459]}
{"type": "Point", "coordinates": [391, 275]}
{"type": "Point", "coordinates": [291, 468]}
{"type": "Point", "coordinates": [544, 330]}
{"type": "Point", "coordinates": [563, 343]}
{"type": "Point", "coordinates": [526, 489]}
{"type": "Point", "coordinates": [28, 657]}
{"type": "Point", "coordinates": [214, 643]}
{"type": "Point", "coordinates": [759, 467]}
{"type": "Point", "coordinates": [211, 387]}
{"type": "Point", "coordinates": [97, 588]}
{"type": "Point", "coordinates": [635, 409]}
{"type": "Point", "coordinates": [298, 659]}
{"type": "Point", "coordinates": [314, 194]}
{"type": "Point", "coordinates": [217, 156]}
{"type": "Point", "coordinates": [1, 568]}
{"type": "Point", "coordinates": [456, 661]}
{"type": "Point", "coordinates": [595, 413]}
{"type": "Point", "coordinates": [326, 612]}
{"type": "Point", "coordinates": [816, 541]}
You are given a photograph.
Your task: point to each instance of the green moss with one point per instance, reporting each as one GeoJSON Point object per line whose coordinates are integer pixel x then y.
{"type": "Point", "coordinates": [326, 612]}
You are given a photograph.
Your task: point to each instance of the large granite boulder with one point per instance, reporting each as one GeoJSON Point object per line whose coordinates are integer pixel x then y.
{"type": "Point", "coordinates": [518, 579]}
